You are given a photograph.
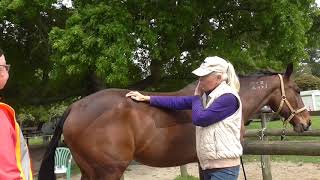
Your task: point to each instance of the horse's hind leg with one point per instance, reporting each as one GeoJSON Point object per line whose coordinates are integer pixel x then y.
{"type": "Point", "coordinates": [111, 172]}
{"type": "Point", "coordinates": [83, 165]}
{"type": "Point", "coordinates": [84, 177]}
{"type": "Point", "coordinates": [106, 169]}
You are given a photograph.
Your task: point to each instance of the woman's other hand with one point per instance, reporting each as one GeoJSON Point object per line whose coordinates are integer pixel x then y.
{"type": "Point", "coordinates": [135, 95]}
{"type": "Point", "coordinates": [198, 91]}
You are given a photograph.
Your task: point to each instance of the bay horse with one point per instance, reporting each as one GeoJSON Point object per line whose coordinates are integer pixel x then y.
{"type": "Point", "coordinates": [106, 130]}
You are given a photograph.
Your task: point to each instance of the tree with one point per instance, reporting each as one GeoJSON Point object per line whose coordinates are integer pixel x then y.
{"type": "Point", "coordinates": [141, 44]}
{"type": "Point", "coordinates": [24, 27]}
{"type": "Point", "coordinates": [312, 64]}
{"type": "Point", "coordinates": [313, 61]}
{"type": "Point", "coordinates": [131, 42]}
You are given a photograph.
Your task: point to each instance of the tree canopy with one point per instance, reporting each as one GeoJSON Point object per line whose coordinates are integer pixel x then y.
{"type": "Point", "coordinates": [25, 27]}
{"type": "Point", "coordinates": [123, 42]}
{"type": "Point", "coordinates": [58, 52]}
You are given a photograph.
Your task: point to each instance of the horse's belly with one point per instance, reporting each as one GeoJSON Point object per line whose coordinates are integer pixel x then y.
{"type": "Point", "coordinates": [168, 150]}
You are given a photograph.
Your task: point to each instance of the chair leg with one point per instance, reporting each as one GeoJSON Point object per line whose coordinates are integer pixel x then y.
{"type": "Point", "coordinates": [69, 174]}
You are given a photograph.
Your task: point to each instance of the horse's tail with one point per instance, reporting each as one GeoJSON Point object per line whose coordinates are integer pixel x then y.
{"type": "Point", "coordinates": [46, 171]}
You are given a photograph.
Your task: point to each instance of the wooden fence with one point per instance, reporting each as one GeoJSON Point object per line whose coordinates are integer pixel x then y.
{"type": "Point", "coordinates": [265, 148]}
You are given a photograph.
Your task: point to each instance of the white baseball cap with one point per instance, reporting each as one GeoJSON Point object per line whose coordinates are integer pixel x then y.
{"type": "Point", "coordinates": [211, 64]}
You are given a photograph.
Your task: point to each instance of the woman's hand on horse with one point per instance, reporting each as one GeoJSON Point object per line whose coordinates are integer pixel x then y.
{"type": "Point", "coordinates": [135, 95]}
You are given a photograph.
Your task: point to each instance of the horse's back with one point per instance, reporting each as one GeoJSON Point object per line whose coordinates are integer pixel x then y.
{"type": "Point", "coordinates": [108, 115]}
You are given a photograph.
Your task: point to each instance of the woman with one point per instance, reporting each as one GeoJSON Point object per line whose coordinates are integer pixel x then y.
{"type": "Point", "coordinates": [216, 112]}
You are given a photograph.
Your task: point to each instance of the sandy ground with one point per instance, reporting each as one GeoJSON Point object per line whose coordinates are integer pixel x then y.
{"type": "Point", "coordinates": [280, 170]}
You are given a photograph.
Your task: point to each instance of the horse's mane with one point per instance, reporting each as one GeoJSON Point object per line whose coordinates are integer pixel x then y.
{"type": "Point", "coordinates": [260, 73]}
{"type": "Point", "coordinates": [255, 74]}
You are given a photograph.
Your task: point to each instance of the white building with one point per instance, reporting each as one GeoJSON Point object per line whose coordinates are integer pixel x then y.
{"type": "Point", "coordinates": [311, 99]}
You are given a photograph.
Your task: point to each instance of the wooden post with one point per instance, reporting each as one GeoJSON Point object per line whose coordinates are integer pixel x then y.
{"type": "Point", "coordinates": [183, 170]}
{"type": "Point", "coordinates": [265, 159]}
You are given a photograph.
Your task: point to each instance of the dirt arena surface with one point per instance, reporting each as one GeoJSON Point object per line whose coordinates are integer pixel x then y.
{"type": "Point", "coordinates": [280, 170]}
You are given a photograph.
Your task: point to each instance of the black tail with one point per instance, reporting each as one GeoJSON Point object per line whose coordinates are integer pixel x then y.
{"type": "Point", "coordinates": [46, 171]}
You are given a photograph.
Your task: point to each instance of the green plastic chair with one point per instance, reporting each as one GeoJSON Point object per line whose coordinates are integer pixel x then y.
{"type": "Point", "coordinates": [62, 161]}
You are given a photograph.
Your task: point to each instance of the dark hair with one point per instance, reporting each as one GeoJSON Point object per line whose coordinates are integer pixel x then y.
{"type": "Point", "coordinates": [1, 52]}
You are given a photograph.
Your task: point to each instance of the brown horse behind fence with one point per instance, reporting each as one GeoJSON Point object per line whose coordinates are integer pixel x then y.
{"type": "Point", "coordinates": [106, 130]}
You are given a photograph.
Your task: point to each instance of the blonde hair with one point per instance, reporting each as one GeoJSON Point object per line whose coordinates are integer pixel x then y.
{"type": "Point", "coordinates": [233, 79]}
{"type": "Point", "coordinates": [230, 77]}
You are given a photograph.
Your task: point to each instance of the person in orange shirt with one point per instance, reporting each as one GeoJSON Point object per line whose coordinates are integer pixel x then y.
{"type": "Point", "coordinates": [15, 161]}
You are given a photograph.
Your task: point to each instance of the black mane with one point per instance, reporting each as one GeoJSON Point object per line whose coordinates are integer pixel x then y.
{"type": "Point", "coordinates": [260, 73]}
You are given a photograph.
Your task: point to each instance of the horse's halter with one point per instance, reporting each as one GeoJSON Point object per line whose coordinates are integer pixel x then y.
{"type": "Point", "coordinates": [284, 100]}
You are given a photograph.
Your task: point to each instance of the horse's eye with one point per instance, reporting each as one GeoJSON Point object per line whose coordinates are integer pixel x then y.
{"type": "Point", "coordinates": [298, 90]}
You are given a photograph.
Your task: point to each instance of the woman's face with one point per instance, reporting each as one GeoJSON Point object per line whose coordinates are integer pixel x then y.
{"type": "Point", "coordinates": [4, 74]}
{"type": "Point", "coordinates": [210, 81]}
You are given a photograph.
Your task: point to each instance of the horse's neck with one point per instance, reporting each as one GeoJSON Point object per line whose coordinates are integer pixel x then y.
{"type": "Point", "coordinates": [256, 93]}
{"type": "Point", "coordinates": [189, 89]}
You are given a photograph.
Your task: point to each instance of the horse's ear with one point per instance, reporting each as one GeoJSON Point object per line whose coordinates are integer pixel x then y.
{"type": "Point", "coordinates": [289, 70]}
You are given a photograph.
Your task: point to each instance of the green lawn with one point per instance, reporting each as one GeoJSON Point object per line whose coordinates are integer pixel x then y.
{"type": "Point", "coordinates": [278, 125]}
{"type": "Point", "coordinates": [37, 140]}
{"type": "Point", "coordinates": [186, 178]}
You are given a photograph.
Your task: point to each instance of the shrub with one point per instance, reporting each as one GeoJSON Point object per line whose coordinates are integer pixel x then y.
{"type": "Point", "coordinates": [307, 82]}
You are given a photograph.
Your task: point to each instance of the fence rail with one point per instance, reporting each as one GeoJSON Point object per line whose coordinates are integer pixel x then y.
{"type": "Point", "coordinates": [282, 148]}
{"type": "Point", "coordinates": [314, 113]}
{"type": "Point", "coordinates": [278, 132]}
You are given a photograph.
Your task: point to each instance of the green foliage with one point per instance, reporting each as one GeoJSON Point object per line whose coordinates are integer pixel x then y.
{"type": "Point", "coordinates": [308, 82]}
{"type": "Point", "coordinates": [24, 27]}
{"type": "Point", "coordinates": [96, 40]}
{"type": "Point", "coordinates": [109, 37]}
{"type": "Point", "coordinates": [32, 115]}
{"type": "Point", "coordinates": [61, 52]}
{"type": "Point", "coordinates": [312, 64]}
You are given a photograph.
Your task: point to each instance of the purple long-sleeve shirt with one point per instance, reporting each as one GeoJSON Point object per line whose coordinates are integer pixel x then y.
{"type": "Point", "coordinates": [223, 107]}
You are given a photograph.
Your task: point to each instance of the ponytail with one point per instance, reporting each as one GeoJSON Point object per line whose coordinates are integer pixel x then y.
{"type": "Point", "coordinates": [233, 80]}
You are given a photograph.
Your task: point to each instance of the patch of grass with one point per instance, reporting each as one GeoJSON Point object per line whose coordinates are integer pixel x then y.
{"type": "Point", "coordinates": [37, 140]}
{"type": "Point", "coordinates": [186, 178]}
{"type": "Point", "coordinates": [75, 168]}
{"type": "Point", "coordinates": [278, 124]}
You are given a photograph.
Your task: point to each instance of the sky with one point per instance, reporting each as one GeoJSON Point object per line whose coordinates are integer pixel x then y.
{"type": "Point", "coordinates": [69, 4]}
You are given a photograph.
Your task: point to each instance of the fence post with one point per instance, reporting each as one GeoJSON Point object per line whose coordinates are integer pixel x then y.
{"type": "Point", "coordinates": [183, 170]}
{"type": "Point", "coordinates": [265, 159]}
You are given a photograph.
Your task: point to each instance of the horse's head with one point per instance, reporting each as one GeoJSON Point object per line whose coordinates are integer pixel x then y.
{"type": "Point", "coordinates": [286, 100]}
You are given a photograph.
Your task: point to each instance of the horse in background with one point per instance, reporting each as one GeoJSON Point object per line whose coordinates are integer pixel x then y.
{"type": "Point", "coordinates": [106, 130]}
